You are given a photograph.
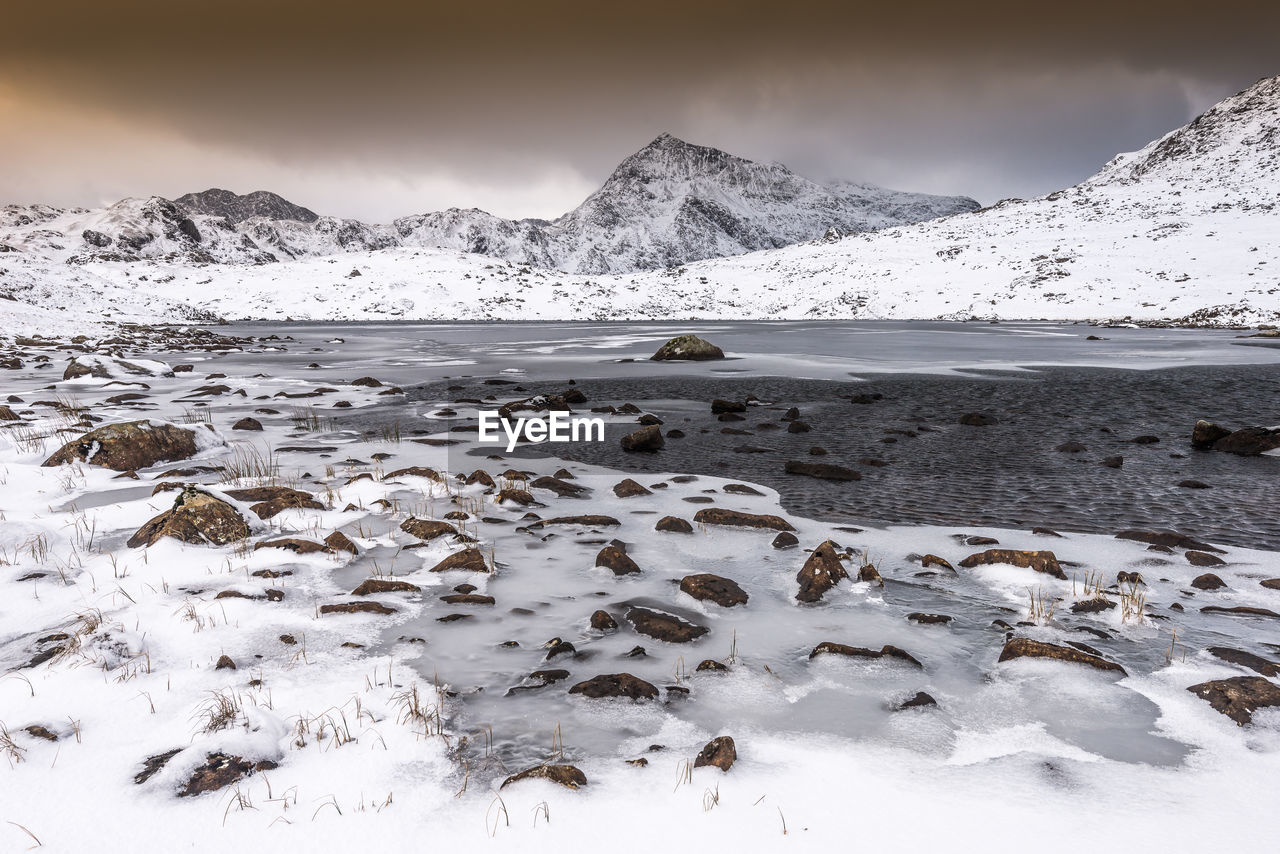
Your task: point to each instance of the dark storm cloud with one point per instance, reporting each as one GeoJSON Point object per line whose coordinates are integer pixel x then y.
{"type": "Point", "coordinates": [374, 110]}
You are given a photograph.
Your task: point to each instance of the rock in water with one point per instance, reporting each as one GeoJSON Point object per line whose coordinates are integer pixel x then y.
{"type": "Point", "coordinates": [664, 627]}
{"type": "Point", "coordinates": [822, 571]}
{"type": "Point", "coordinates": [615, 559]}
{"type": "Point", "coordinates": [737, 519]}
{"type": "Point", "coordinates": [1040, 561]}
{"type": "Point", "coordinates": [822, 471]}
{"type": "Point", "coordinates": [196, 517]}
{"type": "Point", "coordinates": [644, 439]}
{"type": "Point", "coordinates": [1027, 648]}
{"type": "Point", "coordinates": [723, 591]}
{"type": "Point", "coordinates": [674, 525]}
{"type": "Point", "coordinates": [687, 348]}
{"type": "Point", "coordinates": [130, 446]}
{"type": "Point", "coordinates": [1239, 697]}
{"type": "Point", "coordinates": [563, 775]}
{"type": "Point", "coordinates": [720, 752]}
{"type": "Point", "coordinates": [615, 685]}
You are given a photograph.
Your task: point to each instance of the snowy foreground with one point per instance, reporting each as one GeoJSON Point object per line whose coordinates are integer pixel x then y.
{"type": "Point", "coordinates": [366, 731]}
{"type": "Point", "coordinates": [1182, 231]}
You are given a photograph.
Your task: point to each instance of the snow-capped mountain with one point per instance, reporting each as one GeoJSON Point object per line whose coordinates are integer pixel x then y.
{"type": "Point", "coordinates": [668, 204]}
{"type": "Point", "coordinates": [1184, 230]}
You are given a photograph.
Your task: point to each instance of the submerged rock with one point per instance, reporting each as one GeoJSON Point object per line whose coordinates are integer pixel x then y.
{"type": "Point", "coordinates": [1028, 648]}
{"type": "Point", "coordinates": [822, 471]}
{"type": "Point", "coordinates": [687, 348]}
{"type": "Point", "coordinates": [130, 446]}
{"type": "Point", "coordinates": [196, 517]}
{"type": "Point", "coordinates": [1239, 697]}
{"type": "Point", "coordinates": [821, 571]}
{"type": "Point", "coordinates": [1208, 581]}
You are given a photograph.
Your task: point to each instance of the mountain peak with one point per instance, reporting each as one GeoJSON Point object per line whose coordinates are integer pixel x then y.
{"type": "Point", "coordinates": [237, 208]}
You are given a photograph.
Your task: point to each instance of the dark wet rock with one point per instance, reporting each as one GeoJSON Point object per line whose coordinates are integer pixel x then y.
{"type": "Point", "coordinates": [866, 399]}
{"type": "Point", "coordinates": [1113, 462]}
{"type": "Point", "coordinates": [629, 488]}
{"type": "Point", "coordinates": [1240, 611]}
{"type": "Point", "coordinates": [674, 525]}
{"type": "Point", "coordinates": [687, 348]}
{"type": "Point", "coordinates": [603, 621]}
{"type": "Point", "coordinates": [720, 407]}
{"type": "Point", "coordinates": [821, 571]}
{"type": "Point", "coordinates": [1170, 539]}
{"type": "Point", "coordinates": [1028, 648]}
{"type": "Point", "coordinates": [7, 414]}
{"type": "Point", "coordinates": [562, 775]}
{"type": "Point", "coordinates": [1193, 484]}
{"type": "Point", "coordinates": [374, 586]}
{"type": "Point", "coordinates": [467, 599]}
{"type": "Point", "coordinates": [1239, 697]}
{"type": "Point", "coordinates": [252, 424]}
{"type": "Point", "coordinates": [977, 419]}
{"type": "Point", "coordinates": [40, 732]}
{"type": "Point", "coordinates": [929, 619]}
{"type": "Point", "coordinates": [616, 685]}
{"type": "Point", "coordinates": [675, 434]}
{"type": "Point", "coordinates": [539, 679]}
{"type": "Point", "coordinates": [886, 651]}
{"type": "Point", "coordinates": [129, 446]}
{"type": "Point", "coordinates": [1208, 581]}
{"type": "Point", "coordinates": [1071, 448]}
{"type": "Point", "coordinates": [615, 559]}
{"type": "Point", "coordinates": [219, 771]}
{"type": "Point", "coordinates": [707, 587]}
{"type": "Point", "coordinates": [785, 540]}
{"type": "Point", "coordinates": [196, 517]}
{"type": "Point", "coordinates": [585, 521]}
{"type": "Point", "coordinates": [562, 488]}
{"type": "Point", "coordinates": [798, 427]}
{"type": "Point", "coordinates": [1040, 561]}
{"type": "Point", "coordinates": [822, 471]}
{"type": "Point", "coordinates": [453, 618]}
{"type": "Point", "coordinates": [427, 529]}
{"type": "Point", "coordinates": [933, 560]}
{"type": "Point", "coordinates": [467, 560]}
{"type": "Point", "coordinates": [1256, 663]}
{"type": "Point", "coordinates": [1246, 442]}
{"type": "Point", "coordinates": [645, 439]}
{"type": "Point", "coordinates": [738, 519]}
{"type": "Point", "coordinates": [919, 701]}
{"type": "Point", "coordinates": [1196, 558]}
{"type": "Point", "coordinates": [710, 665]}
{"type": "Point", "coordinates": [1096, 605]}
{"type": "Point", "coordinates": [664, 627]}
{"type": "Point", "coordinates": [869, 574]}
{"type": "Point", "coordinates": [636, 652]}
{"type": "Point", "coordinates": [356, 608]}
{"type": "Point", "coordinates": [741, 489]}
{"type": "Point", "coordinates": [719, 752]}
{"type": "Point", "coordinates": [817, 451]}
{"type": "Point", "coordinates": [367, 382]}
{"type": "Point", "coordinates": [1135, 578]}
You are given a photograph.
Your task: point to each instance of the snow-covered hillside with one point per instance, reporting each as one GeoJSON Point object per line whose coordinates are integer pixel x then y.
{"type": "Point", "coordinates": [1185, 229]}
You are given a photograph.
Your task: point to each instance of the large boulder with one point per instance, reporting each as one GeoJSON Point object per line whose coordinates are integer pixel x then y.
{"type": "Point", "coordinates": [131, 445]}
{"type": "Point", "coordinates": [689, 348]}
{"type": "Point", "coordinates": [822, 571]}
{"type": "Point", "coordinates": [196, 517]}
{"type": "Point", "coordinates": [1239, 697]}
{"type": "Point", "coordinates": [1040, 561]}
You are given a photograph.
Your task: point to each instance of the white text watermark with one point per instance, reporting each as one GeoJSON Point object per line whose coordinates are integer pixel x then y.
{"type": "Point", "coordinates": [554, 427]}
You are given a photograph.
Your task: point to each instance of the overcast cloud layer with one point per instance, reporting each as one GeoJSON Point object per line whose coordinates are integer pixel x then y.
{"type": "Point", "coordinates": [373, 111]}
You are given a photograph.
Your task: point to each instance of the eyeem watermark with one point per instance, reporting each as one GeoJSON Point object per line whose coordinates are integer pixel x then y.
{"type": "Point", "coordinates": [555, 427]}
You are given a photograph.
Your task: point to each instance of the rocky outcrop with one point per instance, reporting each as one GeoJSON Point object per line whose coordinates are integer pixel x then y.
{"type": "Point", "coordinates": [130, 446]}
{"type": "Point", "coordinates": [706, 587]}
{"type": "Point", "coordinates": [196, 517]}
{"type": "Point", "coordinates": [689, 348]}
{"type": "Point", "coordinates": [821, 571]}
{"type": "Point", "coordinates": [1028, 648]}
{"type": "Point", "coordinates": [1040, 561]}
{"type": "Point", "coordinates": [615, 559]}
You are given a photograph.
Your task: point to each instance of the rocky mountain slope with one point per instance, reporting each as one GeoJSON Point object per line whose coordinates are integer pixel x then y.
{"type": "Point", "coordinates": [666, 205]}
{"type": "Point", "coordinates": [1183, 230]}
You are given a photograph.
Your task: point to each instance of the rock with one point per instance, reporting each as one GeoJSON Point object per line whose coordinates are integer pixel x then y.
{"type": "Point", "coordinates": [629, 489]}
{"type": "Point", "coordinates": [432, 474]}
{"type": "Point", "coordinates": [866, 399]}
{"type": "Point", "coordinates": [562, 488]}
{"type": "Point", "coordinates": [919, 701]}
{"type": "Point", "coordinates": [40, 732]}
{"type": "Point", "coordinates": [1071, 448]}
{"type": "Point", "coordinates": [152, 765]}
{"type": "Point", "coordinates": [741, 489]}
{"type": "Point", "coordinates": [929, 619]}
{"type": "Point", "coordinates": [719, 752]}
{"type": "Point", "coordinates": [1027, 648]}
{"type": "Point", "coordinates": [268, 501]}
{"type": "Point", "coordinates": [822, 471]}
{"type": "Point", "coordinates": [710, 666]}
{"type": "Point", "coordinates": [1246, 442]}
{"type": "Point", "coordinates": [130, 446]}
{"type": "Point", "coordinates": [664, 627]}
{"type": "Point", "coordinates": [886, 651]}
{"type": "Point", "coordinates": [1096, 605]}
{"type": "Point", "coordinates": [1193, 484]}
{"type": "Point", "coordinates": [367, 382]}
{"type": "Point", "coordinates": [1208, 581]}
{"type": "Point", "coordinates": [225, 663]}
{"type": "Point", "coordinates": [373, 586]}
{"type": "Point", "coordinates": [615, 685]}
{"type": "Point", "coordinates": [219, 771]}
{"type": "Point", "coordinates": [1113, 462]}
{"type": "Point", "coordinates": [933, 560]}
{"type": "Point", "coordinates": [1240, 611]}
{"type": "Point", "coordinates": [687, 348]}
{"type": "Point", "coordinates": [645, 439]}
{"type": "Point", "coordinates": [1255, 663]}
{"type": "Point", "coordinates": [467, 599]}
{"type": "Point", "coordinates": [785, 540]}
{"type": "Point", "coordinates": [603, 621]}
{"type": "Point", "coordinates": [798, 427]}
{"type": "Point", "coordinates": [293, 544]}
{"type": "Point", "coordinates": [1196, 558]}
{"type": "Point", "coordinates": [1239, 697]}
{"type": "Point", "coordinates": [519, 497]}
{"type": "Point", "coordinates": [869, 574]}
{"type": "Point", "coordinates": [614, 558]}
{"type": "Point", "coordinates": [562, 775]}
{"type": "Point", "coordinates": [586, 521]}
{"type": "Point", "coordinates": [707, 587]}
{"type": "Point", "coordinates": [981, 541]}
{"type": "Point", "coordinates": [821, 571]}
{"type": "Point", "coordinates": [248, 424]}
{"type": "Point", "coordinates": [196, 517]}
{"type": "Point", "coordinates": [7, 414]}
{"type": "Point", "coordinates": [1171, 539]}
{"type": "Point", "coordinates": [427, 529]}
{"type": "Point", "coordinates": [1270, 583]}
{"type": "Point", "coordinates": [1040, 561]}
{"type": "Point", "coordinates": [977, 419]}
{"type": "Point", "coordinates": [738, 519]}
{"type": "Point", "coordinates": [674, 525]}
{"type": "Point", "coordinates": [467, 560]}
{"type": "Point", "coordinates": [720, 407]}
{"type": "Point", "coordinates": [356, 608]}
{"type": "Point", "coordinates": [817, 451]}
{"type": "Point", "coordinates": [340, 542]}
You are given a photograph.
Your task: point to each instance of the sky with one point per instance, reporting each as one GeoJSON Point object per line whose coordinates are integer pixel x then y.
{"type": "Point", "coordinates": [376, 110]}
